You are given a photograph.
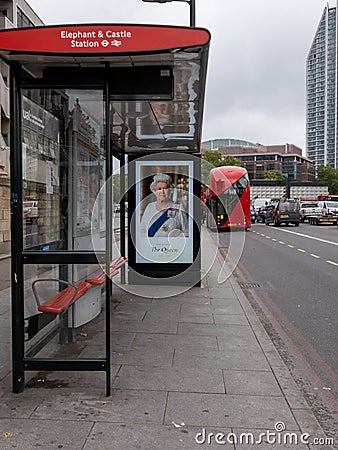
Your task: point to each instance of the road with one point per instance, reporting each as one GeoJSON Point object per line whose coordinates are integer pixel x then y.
{"type": "Point", "coordinates": [291, 274]}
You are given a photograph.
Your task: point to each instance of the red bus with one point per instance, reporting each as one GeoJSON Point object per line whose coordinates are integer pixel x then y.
{"type": "Point", "coordinates": [228, 198]}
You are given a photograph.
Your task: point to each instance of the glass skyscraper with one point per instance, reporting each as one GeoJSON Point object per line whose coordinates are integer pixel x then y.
{"type": "Point", "coordinates": [321, 89]}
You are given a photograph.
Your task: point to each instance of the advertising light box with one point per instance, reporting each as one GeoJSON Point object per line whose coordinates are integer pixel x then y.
{"type": "Point", "coordinates": [164, 212]}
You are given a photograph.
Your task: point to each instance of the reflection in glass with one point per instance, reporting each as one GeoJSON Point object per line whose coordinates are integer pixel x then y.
{"type": "Point", "coordinates": [63, 166]}
{"type": "Point", "coordinates": [44, 281]}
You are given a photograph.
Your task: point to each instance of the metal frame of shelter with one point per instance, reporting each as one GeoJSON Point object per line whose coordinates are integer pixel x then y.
{"type": "Point", "coordinates": [136, 68]}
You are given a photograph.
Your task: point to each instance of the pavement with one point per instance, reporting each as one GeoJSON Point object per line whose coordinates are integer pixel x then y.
{"type": "Point", "coordinates": [189, 371]}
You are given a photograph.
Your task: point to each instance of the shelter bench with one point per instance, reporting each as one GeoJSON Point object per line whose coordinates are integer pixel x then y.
{"type": "Point", "coordinates": [61, 301]}
{"type": "Point", "coordinates": [59, 304]}
{"type": "Point", "coordinates": [100, 277]}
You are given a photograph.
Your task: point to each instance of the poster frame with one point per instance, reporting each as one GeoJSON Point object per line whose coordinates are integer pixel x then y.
{"type": "Point", "coordinates": [139, 271]}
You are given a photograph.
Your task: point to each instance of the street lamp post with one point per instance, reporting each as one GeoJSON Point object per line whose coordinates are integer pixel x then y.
{"type": "Point", "coordinates": [190, 2]}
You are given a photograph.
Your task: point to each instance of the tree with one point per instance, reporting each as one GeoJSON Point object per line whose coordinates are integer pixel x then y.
{"type": "Point", "coordinates": [327, 176]}
{"type": "Point", "coordinates": [213, 157]}
{"type": "Point", "coordinates": [216, 159]}
{"type": "Point", "coordinates": [231, 161]}
{"type": "Point", "coordinates": [274, 175]}
{"type": "Point", "coordinates": [210, 159]}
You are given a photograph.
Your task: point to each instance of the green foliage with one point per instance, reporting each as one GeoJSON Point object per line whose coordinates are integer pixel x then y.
{"type": "Point", "coordinates": [231, 161]}
{"type": "Point", "coordinates": [327, 176]}
{"type": "Point", "coordinates": [274, 175]}
{"type": "Point", "coordinates": [213, 157]}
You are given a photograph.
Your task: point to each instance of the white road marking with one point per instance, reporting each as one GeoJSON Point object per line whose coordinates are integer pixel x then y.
{"type": "Point", "coordinates": [301, 250]}
{"type": "Point", "coordinates": [309, 237]}
{"type": "Point", "coordinates": [314, 256]}
{"type": "Point", "coordinates": [331, 262]}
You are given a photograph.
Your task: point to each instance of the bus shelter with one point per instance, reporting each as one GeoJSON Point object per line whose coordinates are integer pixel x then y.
{"type": "Point", "coordinates": [81, 95]}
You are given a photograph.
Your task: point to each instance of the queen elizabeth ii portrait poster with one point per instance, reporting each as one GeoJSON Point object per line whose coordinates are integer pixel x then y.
{"type": "Point", "coordinates": [163, 214]}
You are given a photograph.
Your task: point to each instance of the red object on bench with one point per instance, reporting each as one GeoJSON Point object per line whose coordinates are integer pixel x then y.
{"type": "Point", "coordinates": [99, 278]}
{"type": "Point", "coordinates": [61, 301]}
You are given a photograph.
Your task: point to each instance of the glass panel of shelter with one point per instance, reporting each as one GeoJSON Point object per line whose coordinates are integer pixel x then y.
{"type": "Point", "coordinates": [64, 163]}
{"type": "Point", "coordinates": [63, 167]}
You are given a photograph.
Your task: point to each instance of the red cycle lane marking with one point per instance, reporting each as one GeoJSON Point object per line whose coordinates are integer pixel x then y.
{"type": "Point", "coordinates": [311, 373]}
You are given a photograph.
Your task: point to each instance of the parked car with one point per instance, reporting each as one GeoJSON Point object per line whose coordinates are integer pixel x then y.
{"type": "Point", "coordinates": [252, 214]}
{"type": "Point", "coordinates": [261, 214]}
{"type": "Point", "coordinates": [116, 207]}
{"type": "Point", "coordinates": [309, 209]}
{"type": "Point", "coordinates": [259, 205]}
{"type": "Point", "coordinates": [30, 211]}
{"type": "Point", "coordinates": [285, 211]}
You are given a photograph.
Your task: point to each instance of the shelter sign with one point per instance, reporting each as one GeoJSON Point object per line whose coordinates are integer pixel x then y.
{"type": "Point", "coordinates": [114, 38]}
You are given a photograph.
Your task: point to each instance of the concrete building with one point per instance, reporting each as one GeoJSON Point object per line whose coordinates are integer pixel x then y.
{"type": "Point", "coordinates": [321, 90]}
{"type": "Point", "coordinates": [277, 188]}
{"type": "Point", "coordinates": [13, 14]}
{"type": "Point", "coordinates": [258, 158]}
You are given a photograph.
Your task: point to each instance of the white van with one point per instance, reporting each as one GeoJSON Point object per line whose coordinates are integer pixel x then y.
{"type": "Point", "coordinates": [329, 207]}
{"type": "Point", "coordinates": [258, 202]}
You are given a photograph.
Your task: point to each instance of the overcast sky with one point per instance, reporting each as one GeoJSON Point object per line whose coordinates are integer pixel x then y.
{"type": "Point", "coordinates": [256, 74]}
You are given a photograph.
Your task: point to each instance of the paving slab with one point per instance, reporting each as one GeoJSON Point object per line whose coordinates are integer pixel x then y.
{"type": "Point", "coordinates": [219, 410]}
{"type": "Point", "coordinates": [158, 342]}
{"type": "Point", "coordinates": [145, 437]}
{"type": "Point", "coordinates": [245, 359]}
{"type": "Point", "coordinates": [146, 357]}
{"type": "Point", "coordinates": [169, 379]}
{"type": "Point", "coordinates": [228, 308]}
{"type": "Point", "coordinates": [179, 317]}
{"type": "Point", "coordinates": [15, 406]}
{"type": "Point", "coordinates": [230, 319]}
{"type": "Point", "coordinates": [119, 339]}
{"type": "Point", "coordinates": [137, 326]}
{"type": "Point", "coordinates": [30, 434]}
{"type": "Point", "coordinates": [221, 292]}
{"type": "Point", "coordinates": [251, 382]}
{"type": "Point", "coordinates": [120, 314]}
{"type": "Point", "coordinates": [122, 406]}
{"type": "Point", "coordinates": [220, 330]}
{"type": "Point", "coordinates": [64, 383]}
